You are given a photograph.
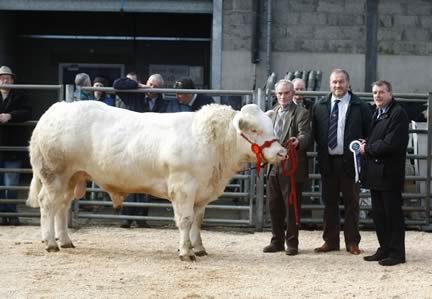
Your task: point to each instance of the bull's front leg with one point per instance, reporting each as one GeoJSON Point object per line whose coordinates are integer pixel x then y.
{"type": "Point", "coordinates": [183, 210]}
{"type": "Point", "coordinates": [61, 225]}
{"type": "Point", "coordinates": [195, 234]}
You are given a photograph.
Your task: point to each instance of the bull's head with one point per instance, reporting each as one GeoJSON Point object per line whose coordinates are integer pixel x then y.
{"type": "Point", "coordinates": [256, 128]}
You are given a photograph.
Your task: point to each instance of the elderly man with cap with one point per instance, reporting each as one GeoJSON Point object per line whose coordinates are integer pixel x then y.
{"type": "Point", "coordinates": [14, 107]}
{"type": "Point", "coordinates": [187, 101]}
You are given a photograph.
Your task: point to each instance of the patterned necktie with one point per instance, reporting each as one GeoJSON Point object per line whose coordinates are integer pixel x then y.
{"type": "Point", "coordinates": [278, 130]}
{"type": "Point", "coordinates": [380, 112]}
{"type": "Point", "coordinates": [333, 125]}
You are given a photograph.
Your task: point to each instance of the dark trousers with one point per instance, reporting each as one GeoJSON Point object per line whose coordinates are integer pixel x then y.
{"type": "Point", "coordinates": [389, 222]}
{"type": "Point", "coordinates": [9, 179]}
{"type": "Point", "coordinates": [135, 211]}
{"type": "Point", "coordinates": [278, 190]}
{"type": "Point", "coordinates": [332, 185]}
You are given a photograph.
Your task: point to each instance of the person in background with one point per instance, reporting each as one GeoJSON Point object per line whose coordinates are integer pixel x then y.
{"type": "Point", "coordinates": [82, 80]}
{"type": "Point", "coordinates": [148, 102]}
{"type": "Point", "coordinates": [337, 120]}
{"type": "Point", "coordinates": [14, 107]}
{"type": "Point", "coordinates": [155, 100]}
{"type": "Point", "coordinates": [187, 101]}
{"type": "Point", "coordinates": [291, 123]}
{"type": "Point", "coordinates": [101, 95]}
{"type": "Point", "coordinates": [383, 172]}
{"type": "Point", "coordinates": [134, 101]}
{"type": "Point", "coordinates": [299, 100]}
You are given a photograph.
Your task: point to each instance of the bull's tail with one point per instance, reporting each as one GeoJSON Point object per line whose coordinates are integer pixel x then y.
{"type": "Point", "coordinates": [35, 189]}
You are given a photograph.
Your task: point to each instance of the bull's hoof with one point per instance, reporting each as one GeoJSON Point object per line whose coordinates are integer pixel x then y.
{"type": "Point", "coordinates": [52, 249]}
{"type": "Point", "coordinates": [188, 258]}
{"type": "Point", "coordinates": [201, 253]}
{"type": "Point", "coordinates": [69, 245]}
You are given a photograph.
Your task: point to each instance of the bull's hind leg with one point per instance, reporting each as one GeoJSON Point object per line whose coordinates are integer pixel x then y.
{"type": "Point", "coordinates": [61, 225]}
{"type": "Point", "coordinates": [52, 202]}
{"type": "Point", "coordinates": [48, 211]}
{"type": "Point", "coordinates": [195, 233]}
{"type": "Point", "coordinates": [183, 210]}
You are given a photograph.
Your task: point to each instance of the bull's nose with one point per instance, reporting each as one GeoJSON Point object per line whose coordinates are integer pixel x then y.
{"type": "Point", "coordinates": [282, 153]}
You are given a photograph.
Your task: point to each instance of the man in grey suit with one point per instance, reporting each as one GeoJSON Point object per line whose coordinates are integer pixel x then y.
{"type": "Point", "coordinates": [291, 122]}
{"type": "Point", "coordinates": [338, 119]}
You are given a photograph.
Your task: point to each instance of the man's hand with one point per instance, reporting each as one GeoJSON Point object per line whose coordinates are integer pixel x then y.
{"type": "Point", "coordinates": [5, 117]}
{"type": "Point", "coordinates": [362, 147]}
{"type": "Point", "coordinates": [294, 141]}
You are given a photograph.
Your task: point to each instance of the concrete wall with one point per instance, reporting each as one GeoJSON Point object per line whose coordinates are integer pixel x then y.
{"type": "Point", "coordinates": [324, 34]}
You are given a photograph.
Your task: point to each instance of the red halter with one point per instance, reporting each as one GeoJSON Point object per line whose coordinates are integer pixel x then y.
{"type": "Point", "coordinates": [292, 156]}
{"type": "Point", "coordinates": [257, 150]}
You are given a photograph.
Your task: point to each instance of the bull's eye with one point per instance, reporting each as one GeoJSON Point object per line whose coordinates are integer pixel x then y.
{"type": "Point", "coordinates": [254, 131]}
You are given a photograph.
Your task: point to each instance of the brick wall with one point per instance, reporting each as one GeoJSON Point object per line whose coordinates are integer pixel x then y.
{"type": "Point", "coordinates": [405, 27]}
{"type": "Point", "coordinates": [332, 26]}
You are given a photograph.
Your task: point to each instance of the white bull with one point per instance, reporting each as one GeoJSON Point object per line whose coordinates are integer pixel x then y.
{"type": "Point", "coordinates": [187, 158]}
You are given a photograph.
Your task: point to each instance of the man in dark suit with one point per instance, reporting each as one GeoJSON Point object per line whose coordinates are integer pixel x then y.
{"type": "Point", "coordinates": [383, 172]}
{"type": "Point", "coordinates": [299, 85]}
{"type": "Point", "coordinates": [338, 119]}
{"type": "Point", "coordinates": [290, 122]}
{"type": "Point", "coordinates": [140, 102]}
{"type": "Point", "coordinates": [193, 100]}
{"type": "Point", "coordinates": [14, 107]}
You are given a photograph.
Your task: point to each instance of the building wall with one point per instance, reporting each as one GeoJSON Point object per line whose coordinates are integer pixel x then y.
{"type": "Point", "coordinates": [325, 34]}
{"type": "Point", "coordinates": [7, 41]}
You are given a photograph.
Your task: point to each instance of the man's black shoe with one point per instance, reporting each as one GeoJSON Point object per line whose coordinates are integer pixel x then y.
{"type": "Point", "coordinates": [273, 248]}
{"type": "Point", "coordinates": [291, 251]}
{"type": "Point", "coordinates": [126, 224]}
{"type": "Point", "coordinates": [391, 261]}
{"type": "Point", "coordinates": [376, 257]}
{"type": "Point", "coordinates": [14, 221]}
{"type": "Point", "coordinates": [143, 224]}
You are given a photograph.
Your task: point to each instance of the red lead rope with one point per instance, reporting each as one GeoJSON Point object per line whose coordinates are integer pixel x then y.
{"type": "Point", "coordinates": [292, 156]}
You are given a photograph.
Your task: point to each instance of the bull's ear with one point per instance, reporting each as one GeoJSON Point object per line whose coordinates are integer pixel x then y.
{"type": "Point", "coordinates": [240, 123]}
{"type": "Point", "coordinates": [270, 113]}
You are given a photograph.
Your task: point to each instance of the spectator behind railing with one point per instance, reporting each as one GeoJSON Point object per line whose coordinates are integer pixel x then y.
{"type": "Point", "coordinates": [299, 85]}
{"type": "Point", "coordinates": [14, 107]}
{"type": "Point", "coordinates": [139, 102]}
{"type": "Point", "coordinates": [101, 95]}
{"type": "Point", "coordinates": [82, 80]}
{"type": "Point", "coordinates": [187, 101]}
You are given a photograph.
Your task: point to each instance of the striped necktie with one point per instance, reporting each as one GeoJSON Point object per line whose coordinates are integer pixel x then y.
{"type": "Point", "coordinates": [278, 129]}
{"type": "Point", "coordinates": [333, 125]}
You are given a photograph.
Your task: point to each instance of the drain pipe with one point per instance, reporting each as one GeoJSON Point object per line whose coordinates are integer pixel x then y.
{"type": "Point", "coordinates": [255, 51]}
{"type": "Point", "coordinates": [268, 39]}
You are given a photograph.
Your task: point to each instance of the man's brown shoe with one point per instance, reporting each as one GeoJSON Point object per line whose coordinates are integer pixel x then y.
{"type": "Point", "coordinates": [273, 248]}
{"type": "Point", "coordinates": [354, 249]}
{"type": "Point", "coordinates": [326, 248]}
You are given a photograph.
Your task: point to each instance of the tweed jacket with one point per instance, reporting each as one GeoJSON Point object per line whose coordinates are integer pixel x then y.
{"type": "Point", "coordinates": [297, 125]}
